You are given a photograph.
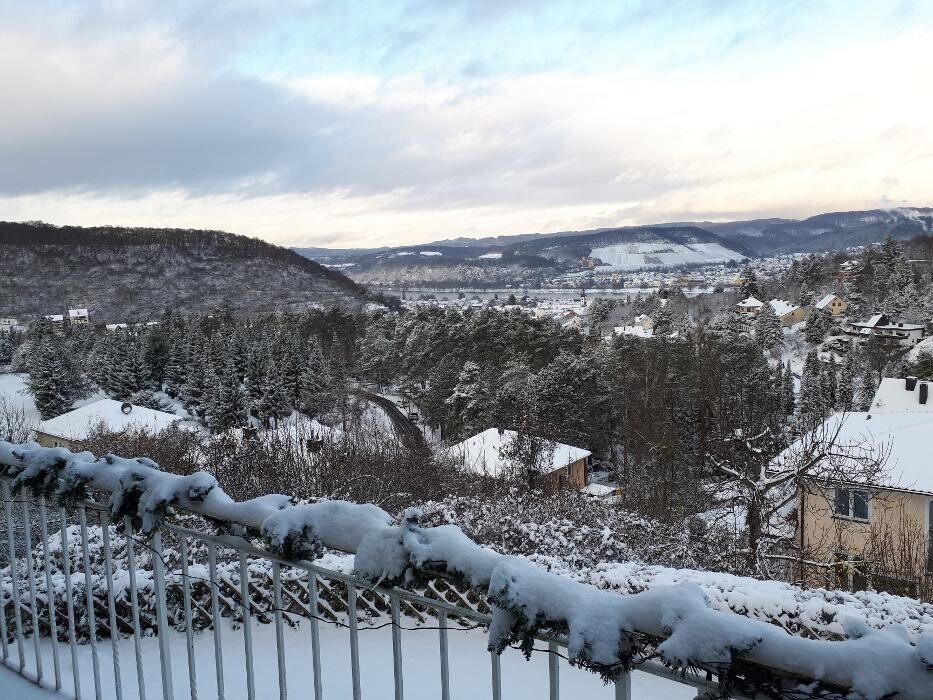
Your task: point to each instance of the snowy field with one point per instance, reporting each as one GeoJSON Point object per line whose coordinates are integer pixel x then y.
{"type": "Point", "coordinates": [470, 668]}
{"type": "Point", "coordinates": [13, 389]}
{"type": "Point", "coordinates": [636, 256]}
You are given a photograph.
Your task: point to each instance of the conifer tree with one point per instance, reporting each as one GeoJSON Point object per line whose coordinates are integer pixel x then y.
{"type": "Point", "coordinates": [846, 392]}
{"type": "Point", "coordinates": [315, 382]}
{"type": "Point", "coordinates": [768, 331]}
{"type": "Point", "coordinates": [817, 324]}
{"type": "Point", "coordinates": [275, 403]}
{"type": "Point", "coordinates": [227, 408]}
{"type": "Point", "coordinates": [55, 379]}
{"type": "Point", "coordinates": [790, 402]}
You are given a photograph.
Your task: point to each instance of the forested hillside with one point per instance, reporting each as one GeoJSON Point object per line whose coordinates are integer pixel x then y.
{"type": "Point", "coordinates": [134, 274]}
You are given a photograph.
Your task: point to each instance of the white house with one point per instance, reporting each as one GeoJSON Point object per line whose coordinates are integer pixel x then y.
{"type": "Point", "coordinates": [78, 317]}
{"type": "Point", "coordinates": [750, 306]}
{"type": "Point", "coordinates": [888, 331]}
{"type": "Point", "coordinates": [70, 429]}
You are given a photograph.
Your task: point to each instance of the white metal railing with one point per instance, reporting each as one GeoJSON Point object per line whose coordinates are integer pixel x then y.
{"type": "Point", "coordinates": [311, 593]}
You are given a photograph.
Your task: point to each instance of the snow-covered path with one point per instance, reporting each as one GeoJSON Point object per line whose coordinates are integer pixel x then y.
{"type": "Point", "coordinates": [470, 674]}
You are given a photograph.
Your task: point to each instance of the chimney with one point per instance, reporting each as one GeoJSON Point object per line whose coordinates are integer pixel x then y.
{"type": "Point", "coordinates": [924, 391]}
{"type": "Point", "coordinates": [910, 383]}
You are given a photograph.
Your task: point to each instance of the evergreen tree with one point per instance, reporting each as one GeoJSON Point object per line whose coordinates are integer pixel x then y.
{"type": "Point", "coordinates": [55, 380]}
{"type": "Point", "coordinates": [469, 402]}
{"type": "Point", "coordinates": [818, 323]}
{"type": "Point", "coordinates": [829, 381]}
{"type": "Point", "coordinates": [227, 408]}
{"type": "Point", "coordinates": [315, 382]}
{"type": "Point", "coordinates": [155, 357]}
{"type": "Point", "coordinates": [812, 405]}
{"type": "Point", "coordinates": [275, 403]}
{"type": "Point", "coordinates": [846, 393]}
{"type": "Point", "coordinates": [768, 331]}
{"type": "Point", "coordinates": [787, 390]}
{"type": "Point", "coordinates": [866, 391]}
{"type": "Point", "coordinates": [749, 287]}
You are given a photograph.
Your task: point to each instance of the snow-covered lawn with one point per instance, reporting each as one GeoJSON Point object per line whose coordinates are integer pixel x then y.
{"type": "Point", "coordinates": [13, 388]}
{"type": "Point", "coordinates": [470, 668]}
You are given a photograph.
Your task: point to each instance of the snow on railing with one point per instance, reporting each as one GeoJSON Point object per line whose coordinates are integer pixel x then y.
{"type": "Point", "coordinates": [603, 631]}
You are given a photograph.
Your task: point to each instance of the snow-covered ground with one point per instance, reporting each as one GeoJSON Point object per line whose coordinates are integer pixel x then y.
{"type": "Point", "coordinates": [635, 256]}
{"type": "Point", "coordinates": [470, 669]}
{"type": "Point", "coordinates": [13, 685]}
{"type": "Point", "coordinates": [13, 389]}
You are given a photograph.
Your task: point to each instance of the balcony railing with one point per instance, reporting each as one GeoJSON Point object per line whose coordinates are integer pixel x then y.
{"type": "Point", "coordinates": [60, 599]}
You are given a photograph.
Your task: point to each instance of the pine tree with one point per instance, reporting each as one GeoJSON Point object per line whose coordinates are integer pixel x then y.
{"type": "Point", "coordinates": [155, 357]}
{"type": "Point", "coordinates": [829, 381]}
{"type": "Point", "coordinates": [818, 323]}
{"type": "Point", "coordinates": [275, 403]}
{"type": "Point", "coordinates": [55, 380]}
{"type": "Point", "coordinates": [227, 408]}
{"type": "Point", "coordinates": [790, 401]}
{"type": "Point", "coordinates": [846, 392]}
{"type": "Point", "coordinates": [867, 388]}
{"type": "Point", "coordinates": [811, 389]}
{"type": "Point", "coordinates": [470, 399]}
{"type": "Point", "coordinates": [315, 382]}
{"type": "Point", "coordinates": [768, 331]}
{"type": "Point", "coordinates": [749, 286]}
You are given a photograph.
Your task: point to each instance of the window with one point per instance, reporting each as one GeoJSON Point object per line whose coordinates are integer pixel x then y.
{"type": "Point", "coordinates": [851, 504]}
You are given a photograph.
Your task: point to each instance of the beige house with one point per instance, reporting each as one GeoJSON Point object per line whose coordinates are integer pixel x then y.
{"type": "Point", "coordinates": [70, 429]}
{"type": "Point", "coordinates": [855, 534]}
{"type": "Point", "coordinates": [832, 303]}
{"type": "Point", "coordinates": [491, 453]}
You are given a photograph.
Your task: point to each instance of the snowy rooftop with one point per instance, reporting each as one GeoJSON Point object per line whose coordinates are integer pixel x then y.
{"type": "Point", "coordinates": [893, 396]}
{"type": "Point", "coordinates": [77, 424]}
{"type": "Point", "coordinates": [55, 317]}
{"type": "Point", "coordinates": [903, 437]}
{"type": "Point", "coordinates": [483, 453]}
{"type": "Point", "coordinates": [751, 301]}
{"type": "Point", "coordinates": [782, 307]}
{"type": "Point", "coordinates": [638, 331]}
{"type": "Point", "coordinates": [77, 313]}
{"type": "Point", "coordinates": [824, 302]}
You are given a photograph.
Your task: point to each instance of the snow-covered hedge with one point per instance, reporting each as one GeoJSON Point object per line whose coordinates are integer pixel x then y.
{"type": "Point", "coordinates": [605, 631]}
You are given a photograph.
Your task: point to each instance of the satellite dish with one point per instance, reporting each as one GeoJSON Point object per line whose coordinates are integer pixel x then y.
{"type": "Point", "coordinates": [126, 408]}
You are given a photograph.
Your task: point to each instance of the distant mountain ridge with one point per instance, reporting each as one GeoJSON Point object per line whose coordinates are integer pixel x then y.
{"type": "Point", "coordinates": [134, 274]}
{"type": "Point", "coordinates": [515, 258]}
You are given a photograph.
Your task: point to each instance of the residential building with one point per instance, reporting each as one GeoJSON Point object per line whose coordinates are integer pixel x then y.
{"type": "Point", "coordinates": [8, 324]}
{"type": "Point", "coordinates": [490, 453]}
{"type": "Point", "coordinates": [858, 533]}
{"type": "Point", "coordinates": [892, 333]}
{"type": "Point", "coordinates": [749, 306]}
{"type": "Point", "coordinates": [903, 395]}
{"type": "Point", "coordinates": [116, 326]}
{"type": "Point", "coordinates": [788, 313]}
{"type": "Point", "coordinates": [78, 317]}
{"type": "Point", "coordinates": [833, 303]}
{"type": "Point", "coordinates": [71, 429]}
{"type": "Point", "coordinates": [57, 320]}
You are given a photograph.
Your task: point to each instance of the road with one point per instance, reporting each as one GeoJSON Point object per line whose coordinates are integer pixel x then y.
{"type": "Point", "coordinates": [408, 431]}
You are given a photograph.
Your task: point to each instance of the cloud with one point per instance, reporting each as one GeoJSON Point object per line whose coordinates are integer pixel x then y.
{"type": "Point", "coordinates": [162, 125]}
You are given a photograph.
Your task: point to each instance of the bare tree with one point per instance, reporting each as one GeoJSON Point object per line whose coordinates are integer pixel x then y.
{"type": "Point", "coordinates": [14, 424]}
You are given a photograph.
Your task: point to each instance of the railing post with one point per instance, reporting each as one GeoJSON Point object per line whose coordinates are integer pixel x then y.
{"type": "Point", "coordinates": [69, 604]}
{"type": "Point", "coordinates": [189, 633]}
{"type": "Point", "coordinates": [397, 646]}
{"type": "Point", "coordinates": [17, 603]}
{"type": "Point", "coordinates": [279, 632]}
{"type": "Point", "coordinates": [623, 685]}
{"type": "Point", "coordinates": [111, 606]}
{"type": "Point", "coordinates": [31, 580]}
{"type": "Point", "coordinates": [496, 676]}
{"type": "Point", "coordinates": [89, 598]}
{"type": "Point", "coordinates": [247, 627]}
{"type": "Point", "coordinates": [216, 621]}
{"type": "Point", "coordinates": [354, 641]}
{"type": "Point", "coordinates": [314, 610]}
{"type": "Point", "coordinates": [445, 659]}
{"type": "Point", "coordinates": [134, 603]}
{"type": "Point", "coordinates": [553, 671]}
{"type": "Point", "coordinates": [165, 655]}
{"type": "Point", "coordinates": [50, 595]}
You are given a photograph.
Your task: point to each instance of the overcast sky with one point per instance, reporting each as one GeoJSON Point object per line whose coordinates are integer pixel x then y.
{"type": "Point", "coordinates": [351, 124]}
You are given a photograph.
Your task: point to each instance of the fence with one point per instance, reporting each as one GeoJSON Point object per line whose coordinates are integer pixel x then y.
{"type": "Point", "coordinates": [79, 582]}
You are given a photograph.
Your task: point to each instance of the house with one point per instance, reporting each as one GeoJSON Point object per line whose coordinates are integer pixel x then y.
{"type": "Point", "coordinates": [70, 429]}
{"type": "Point", "coordinates": [856, 534]}
{"type": "Point", "coordinates": [57, 320]}
{"type": "Point", "coordinates": [788, 313]}
{"type": "Point", "coordinates": [833, 303]}
{"type": "Point", "coordinates": [891, 333]}
{"type": "Point", "coordinates": [116, 327]}
{"type": "Point", "coordinates": [750, 306]}
{"type": "Point", "coordinates": [8, 324]}
{"type": "Point", "coordinates": [559, 466]}
{"type": "Point", "coordinates": [645, 321]}
{"type": "Point", "coordinates": [78, 317]}
{"type": "Point", "coordinates": [899, 395]}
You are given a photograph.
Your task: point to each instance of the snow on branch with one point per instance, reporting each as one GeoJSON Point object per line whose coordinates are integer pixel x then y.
{"type": "Point", "coordinates": [606, 632]}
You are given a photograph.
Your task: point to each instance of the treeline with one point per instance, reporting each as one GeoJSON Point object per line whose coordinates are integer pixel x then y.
{"type": "Point", "coordinates": [235, 246]}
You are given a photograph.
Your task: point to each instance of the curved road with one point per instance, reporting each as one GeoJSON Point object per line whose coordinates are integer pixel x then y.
{"type": "Point", "coordinates": [408, 432]}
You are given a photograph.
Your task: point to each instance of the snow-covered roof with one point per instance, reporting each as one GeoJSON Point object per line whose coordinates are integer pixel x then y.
{"type": "Point", "coordinates": [782, 307]}
{"type": "Point", "coordinates": [77, 313]}
{"type": "Point", "coordinates": [893, 396]}
{"type": "Point", "coordinates": [903, 437]}
{"type": "Point", "coordinates": [55, 317]}
{"type": "Point", "coordinates": [874, 320]}
{"type": "Point", "coordinates": [483, 453]}
{"type": "Point", "coordinates": [115, 326]}
{"type": "Point", "coordinates": [77, 424]}
{"type": "Point", "coordinates": [600, 490]}
{"type": "Point", "coordinates": [638, 331]}
{"type": "Point", "coordinates": [751, 301]}
{"type": "Point", "coordinates": [825, 301]}
{"type": "Point", "coordinates": [924, 346]}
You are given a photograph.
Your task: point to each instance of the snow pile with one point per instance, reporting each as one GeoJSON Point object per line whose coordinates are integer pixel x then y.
{"type": "Point", "coordinates": [606, 632]}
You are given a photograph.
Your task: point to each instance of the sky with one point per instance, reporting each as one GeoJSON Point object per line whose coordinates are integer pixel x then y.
{"type": "Point", "coordinates": [361, 124]}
